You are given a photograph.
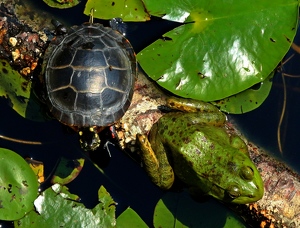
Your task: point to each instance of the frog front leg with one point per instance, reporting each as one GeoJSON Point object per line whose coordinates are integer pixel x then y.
{"type": "Point", "coordinates": [155, 160]}
{"type": "Point", "coordinates": [190, 105]}
{"type": "Point", "coordinates": [200, 112]}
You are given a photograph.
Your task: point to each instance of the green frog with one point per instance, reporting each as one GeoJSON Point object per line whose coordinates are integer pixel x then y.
{"type": "Point", "coordinates": [193, 144]}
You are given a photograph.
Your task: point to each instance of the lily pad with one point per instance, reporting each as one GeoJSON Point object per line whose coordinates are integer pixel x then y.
{"type": "Point", "coordinates": [67, 170]}
{"type": "Point", "coordinates": [58, 209]}
{"type": "Point", "coordinates": [247, 100]}
{"type": "Point", "coordinates": [222, 48]}
{"type": "Point", "coordinates": [129, 218]}
{"type": "Point", "coordinates": [18, 186]}
{"type": "Point", "coordinates": [17, 90]}
{"type": "Point", "coordinates": [62, 4]}
{"type": "Point", "coordinates": [128, 10]}
{"type": "Point", "coordinates": [181, 211]}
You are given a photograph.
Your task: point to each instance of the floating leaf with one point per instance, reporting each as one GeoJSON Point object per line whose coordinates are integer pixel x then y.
{"type": "Point", "coordinates": [38, 169]}
{"type": "Point", "coordinates": [14, 87]}
{"type": "Point", "coordinates": [17, 91]}
{"type": "Point", "coordinates": [222, 49]}
{"type": "Point", "coordinates": [105, 209]}
{"type": "Point", "coordinates": [67, 170]}
{"type": "Point", "coordinates": [180, 210]}
{"type": "Point", "coordinates": [57, 210]}
{"type": "Point", "coordinates": [18, 186]}
{"type": "Point", "coordinates": [128, 10]}
{"type": "Point", "coordinates": [247, 100]}
{"type": "Point", "coordinates": [62, 4]}
{"type": "Point", "coordinates": [64, 192]}
{"type": "Point", "coordinates": [129, 218]}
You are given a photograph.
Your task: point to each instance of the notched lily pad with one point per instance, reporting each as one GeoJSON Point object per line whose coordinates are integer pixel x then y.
{"type": "Point", "coordinates": [128, 10]}
{"type": "Point", "coordinates": [18, 186]}
{"type": "Point", "coordinates": [247, 100]}
{"type": "Point", "coordinates": [222, 49]}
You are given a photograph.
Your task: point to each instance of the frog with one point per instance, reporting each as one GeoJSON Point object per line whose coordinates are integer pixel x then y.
{"type": "Point", "coordinates": [193, 144]}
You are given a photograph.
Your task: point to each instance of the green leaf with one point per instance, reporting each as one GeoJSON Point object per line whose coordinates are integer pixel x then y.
{"type": "Point", "coordinates": [247, 100]}
{"type": "Point", "coordinates": [64, 192]}
{"type": "Point", "coordinates": [129, 218]}
{"type": "Point", "coordinates": [57, 210]}
{"type": "Point", "coordinates": [62, 4]}
{"type": "Point", "coordinates": [37, 167]}
{"type": "Point", "coordinates": [14, 87]}
{"type": "Point", "coordinates": [17, 90]}
{"type": "Point", "coordinates": [128, 10]}
{"type": "Point", "coordinates": [67, 170]}
{"type": "Point", "coordinates": [106, 209]}
{"type": "Point", "coordinates": [223, 49]}
{"type": "Point", "coordinates": [18, 186]}
{"type": "Point", "coordinates": [179, 210]}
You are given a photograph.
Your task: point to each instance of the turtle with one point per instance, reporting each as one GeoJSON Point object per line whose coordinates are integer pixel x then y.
{"type": "Point", "coordinates": [88, 77]}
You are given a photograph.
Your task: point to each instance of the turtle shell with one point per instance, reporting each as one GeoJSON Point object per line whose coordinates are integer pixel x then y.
{"type": "Point", "coordinates": [89, 76]}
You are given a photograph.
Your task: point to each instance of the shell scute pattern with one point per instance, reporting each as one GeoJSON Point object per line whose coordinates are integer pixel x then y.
{"type": "Point", "coordinates": [90, 76]}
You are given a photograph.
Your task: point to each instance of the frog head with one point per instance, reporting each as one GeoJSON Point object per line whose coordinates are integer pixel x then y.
{"type": "Point", "coordinates": [243, 183]}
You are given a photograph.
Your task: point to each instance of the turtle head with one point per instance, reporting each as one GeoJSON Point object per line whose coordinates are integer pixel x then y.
{"type": "Point", "coordinates": [89, 138]}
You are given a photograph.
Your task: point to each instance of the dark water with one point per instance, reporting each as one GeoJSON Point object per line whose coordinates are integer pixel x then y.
{"type": "Point", "coordinates": [124, 179]}
{"type": "Point", "coordinates": [261, 125]}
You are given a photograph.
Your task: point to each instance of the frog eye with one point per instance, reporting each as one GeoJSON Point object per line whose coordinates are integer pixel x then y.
{"type": "Point", "coordinates": [247, 173]}
{"type": "Point", "coordinates": [233, 191]}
